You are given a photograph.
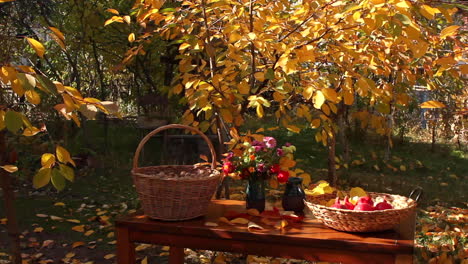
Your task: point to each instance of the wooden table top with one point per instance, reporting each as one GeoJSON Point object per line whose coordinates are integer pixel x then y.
{"type": "Point", "coordinates": [309, 232]}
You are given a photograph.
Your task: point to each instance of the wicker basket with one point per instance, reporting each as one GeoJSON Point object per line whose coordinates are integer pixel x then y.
{"type": "Point", "coordinates": [362, 221]}
{"type": "Point", "coordinates": [165, 197]}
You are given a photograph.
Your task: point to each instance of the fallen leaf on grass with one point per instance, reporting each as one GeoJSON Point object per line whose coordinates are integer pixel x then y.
{"type": "Point", "coordinates": [56, 218]}
{"type": "Point", "coordinates": [38, 229]}
{"type": "Point", "coordinates": [70, 255]}
{"type": "Point", "coordinates": [77, 244]}
{"type": "Point", "coordinates": [142, 247]}
{"type": "Point", "coordinates": [76, 221]}
{"type": "Point", "coordinates": [47, 243]}
{"type": "Point", "coordinates": [59, 204]}
{"type": "Point", "coordinates": [165, 248]}
{"type": "Point", "coordinates": [109, 256]}
{"type": "Point", "coordinates": [145, 261]}
{"type": "Point", "coordinates": [89, 232]}
{"type": "Point", "coordinates": [78, 228]}
{"type": "Point", "coordinates": [42, 215]}
{"type": "Point", "coordinates": [110, 235]}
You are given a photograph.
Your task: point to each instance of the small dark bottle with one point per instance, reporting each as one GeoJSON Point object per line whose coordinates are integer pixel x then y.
{"type": "Point", "coordinates": [294, 195]}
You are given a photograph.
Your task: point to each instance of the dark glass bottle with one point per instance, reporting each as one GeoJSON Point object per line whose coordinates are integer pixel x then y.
{"type": "Point", "coordinates": [294, 195]}
{"type": "Point", "coordinates": [256, 192]}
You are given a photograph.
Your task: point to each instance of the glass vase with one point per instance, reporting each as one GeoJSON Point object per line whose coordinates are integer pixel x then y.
{"type": "Point", "coordinates": [255, 192]}
{"type": "Point", "coordinates": [294, 195]}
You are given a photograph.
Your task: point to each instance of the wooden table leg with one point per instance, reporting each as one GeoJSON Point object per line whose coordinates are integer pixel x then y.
{"type": "Point", "coordinates": [176, 255]}
{"type": "Point", "coordinates": [125, 248]}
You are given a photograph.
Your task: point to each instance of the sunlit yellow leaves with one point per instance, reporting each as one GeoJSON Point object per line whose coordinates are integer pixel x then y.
{"type": "Point", "coordinates": [113, 11]}
{"type": "Point", "coordinates": [131, 37]}
{"type": "Point", "coordinates": [227, 115]}
{"type": "Point", "coordinates": [419, 49]}
{"type": "Point", "coordinates": [348, 97]}
{"type": "Point", "coordinates": [67, 172]}
{"type": "Point", "coordinates": [330, 94]}
{"type": "Point", "coordinates": [42, 177]}
{"type": "Point", "coordinates": [432, 104]}
{"type": "Point", "coordinates": [114, 19]}
{"type": "Point", "coordinates": [63, 155]}
{"type": "Point", "coordinates": [5, 1]}
{"type": "Point", "coordinates": [9, 168]}
{"type": "Point", "coordinates": [47, 160]}
{"type": "Point", "coordinates": [33, 97]}
{"type": "Point", "coordinates": [57, 179]}
{"type": "Point", "coordinates": [286, 163]}
{"type": "Point", "coordinates": [58, 36]}
{"type": "Point", "coordinates": [315, 123]}
{"type": "Point", "coordinates": [449, 32]}
{"type": "Point", "coordinates": [357, 191]}
{"type": "Point", "coordinates": [428, 12]}
{"type": "Point", "coordinates": [37, 46]}
{"type": "Point", "coordinates": [318, 99]}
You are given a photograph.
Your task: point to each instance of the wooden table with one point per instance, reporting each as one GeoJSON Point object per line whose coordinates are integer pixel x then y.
{"type": "Point", "coordinates": [310, 240]}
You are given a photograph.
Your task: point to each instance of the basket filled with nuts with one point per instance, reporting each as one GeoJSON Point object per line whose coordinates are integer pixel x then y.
{"type": "Point", "coordinates": [175, 192]}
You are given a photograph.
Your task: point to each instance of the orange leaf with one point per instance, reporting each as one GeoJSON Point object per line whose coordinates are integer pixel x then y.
{"type": "Point", "coordinates": [432, 104]}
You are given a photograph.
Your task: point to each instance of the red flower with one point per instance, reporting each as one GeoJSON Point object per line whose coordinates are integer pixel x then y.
{"type": "Point", "coordinates": [275, 168]}
{"type": "Point", "coordinates": [283, 176]}
{"type": "Point", "coordinates": [228, 167]}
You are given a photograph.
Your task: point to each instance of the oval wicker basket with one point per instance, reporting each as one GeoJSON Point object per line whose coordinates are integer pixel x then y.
{"type": "Point", "coordinates": [362, 221]}
{"type": "Point", "coordinates": [165, 197]}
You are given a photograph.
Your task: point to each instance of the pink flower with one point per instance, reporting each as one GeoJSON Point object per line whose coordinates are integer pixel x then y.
{"type": "Point", "coordinates": [230, 155]}
{"type": "Point", "coordinates": [270, 142]}
{"type": "Point", "coordinates": [283, 176]}
{"type": "Point", "coordinates": [228, 167]}
{"type": "Point", "coordinates": [279, 152]}
{"type": "Point", "coordinates": [258, 148]}
{"type": "Point", "coordinates": [288, 144]}
{"type": "Point", "coordinates": [261, 167]}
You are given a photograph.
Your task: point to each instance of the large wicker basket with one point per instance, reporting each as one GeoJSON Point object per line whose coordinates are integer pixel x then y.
{"type": "Point", "coordinates": [165, 197]}
{"type": "Point", "coordinates": [362, 221]}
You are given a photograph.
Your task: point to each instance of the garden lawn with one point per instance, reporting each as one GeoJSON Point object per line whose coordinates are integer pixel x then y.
{"type": "Point", "coordinates": [76, 225]}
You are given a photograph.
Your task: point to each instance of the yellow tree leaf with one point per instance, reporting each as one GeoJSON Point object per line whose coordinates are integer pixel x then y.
{"type": "Point", "coordinates": [432, 104]}
{"type": "Point", "coordinates": [33, 97]}
{"type": "Point", "coordinates": [42, 177]}
{"type": "Point", "coordinates": [348, 98]}
{"type": "Point", "coordinates": [63, 155]}
{"type": "Point", "coordinates": [318, 99]}
{"type": "Point", "coordinates": [131, 37]}
{"type": "Point", "coordinates": [9, 168]}
{"type": "Point", "coordinates": [315, 123]}
{"type": "Point", "coordinates": [30, 131]}
{"type": "Point", "coordinates": [226, 115]}
{"type": "Point", "coordinates": [330, 94]}
{"type": "Point", "coordinates": [47, 160]}
{"type": "Point", "coordinates": [113, 11]}
{"type": "Point", "coordinates": [6, 1]}
{"type": "Point", "coordinates": [357, 191]}
{"type": "Point", "coordinates": [37, 46]}
{"type": "Point", "coordinates": [428, 12]}
{"type": "Point", "coordinates": [449, 31]}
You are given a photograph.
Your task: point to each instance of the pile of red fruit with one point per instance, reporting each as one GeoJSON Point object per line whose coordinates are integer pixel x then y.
{"type": "Point", "coordinates": [364, 203]}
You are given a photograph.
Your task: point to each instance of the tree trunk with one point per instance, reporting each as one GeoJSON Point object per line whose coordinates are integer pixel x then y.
{"type": "Point", "coordinates": [433, 136]}
{"type": "Point", "coordinates": [9, 203]}
{"type": "Point", "coordinates": [332, 177]}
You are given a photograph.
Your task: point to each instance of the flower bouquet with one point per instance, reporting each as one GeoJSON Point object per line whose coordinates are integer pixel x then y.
{"type": "Point", "coordinates": [259, 161]}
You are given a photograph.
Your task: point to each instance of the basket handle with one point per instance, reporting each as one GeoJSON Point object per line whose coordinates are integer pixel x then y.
{"type": "Point", "coordinates": [418, 191]}
{"type": "Point", "coordinates": [159, 129]}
